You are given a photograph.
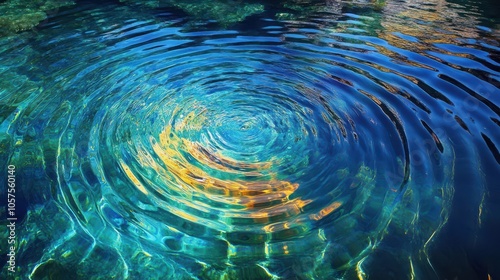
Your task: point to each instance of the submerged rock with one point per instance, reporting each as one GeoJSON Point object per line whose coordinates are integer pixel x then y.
{"type": "Point", "coordinates": [224, 12]}
{"type": "Point", "coordinates": [21, 15]}
{"type": "Point", "coordinates": [227, 12]}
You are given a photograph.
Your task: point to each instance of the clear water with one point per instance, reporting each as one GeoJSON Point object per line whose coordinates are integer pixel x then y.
{"type": "Point", "coordinates": [350, 141]}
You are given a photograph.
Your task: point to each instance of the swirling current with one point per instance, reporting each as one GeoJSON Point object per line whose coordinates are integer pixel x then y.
{"type": "Point", "coordinates": [348, 141]}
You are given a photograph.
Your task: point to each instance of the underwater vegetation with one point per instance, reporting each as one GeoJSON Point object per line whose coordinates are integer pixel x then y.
{"type": "Point", "coordinates": [21, 15]}
{"type": "Point", "coordinates": [223, 11]}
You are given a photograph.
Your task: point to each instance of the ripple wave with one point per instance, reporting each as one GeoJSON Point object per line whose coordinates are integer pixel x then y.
{"type": "Point", "coordinates": [312, 142]}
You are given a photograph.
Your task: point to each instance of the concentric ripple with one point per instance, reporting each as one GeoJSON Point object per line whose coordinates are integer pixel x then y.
{"type": "Point", "coordinates": [321, 147]}
{"type": "Point", "coordinates": [240, 148]}
{"type": "Point", "coordinates": [221, 141]}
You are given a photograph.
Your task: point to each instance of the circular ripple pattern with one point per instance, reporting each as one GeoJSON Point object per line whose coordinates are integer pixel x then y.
{"type": "Point", "coordinates": [317, 148]}
{"type": "Point", "coordinates": [239, 140]}
{"type": "Point", "coordinates": [240, 148]}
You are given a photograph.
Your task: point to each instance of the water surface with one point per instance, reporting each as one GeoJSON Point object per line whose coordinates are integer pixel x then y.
{"type": "Point", "coordinates": [347, 141]}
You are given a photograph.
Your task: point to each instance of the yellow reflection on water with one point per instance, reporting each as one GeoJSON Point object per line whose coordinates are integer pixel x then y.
{"type": "Point", "coordinates": [261, 200]}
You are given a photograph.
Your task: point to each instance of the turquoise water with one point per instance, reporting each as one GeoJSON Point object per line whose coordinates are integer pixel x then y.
{"type": "Point", "coordinates": [345, 141]}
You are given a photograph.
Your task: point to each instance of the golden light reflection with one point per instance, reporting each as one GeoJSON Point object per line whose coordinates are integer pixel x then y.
{"type": "Point", "coordinates": [220, 162]}
{"type": "Point", "coordinates": [263, 200]}
{"type": "Point", "coordinates": [326, 211]}
{"type": "Point", "coordinates": [425, 21]}
{"type": "Point", "coordinates": [132, 177]}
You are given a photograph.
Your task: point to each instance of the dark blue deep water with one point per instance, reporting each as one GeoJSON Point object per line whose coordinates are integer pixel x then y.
{"type": "Point", "coordinates": [311, 140]}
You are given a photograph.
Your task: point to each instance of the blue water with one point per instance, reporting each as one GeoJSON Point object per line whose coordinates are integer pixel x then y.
{"type": "Point", "coordinates": [346, 141]}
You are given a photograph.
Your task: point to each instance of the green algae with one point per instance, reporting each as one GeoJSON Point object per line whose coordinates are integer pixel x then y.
{"type": "Point", "coordinates": [19, 15]}
{"type": "Point", "coordinates": [225, 12]}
